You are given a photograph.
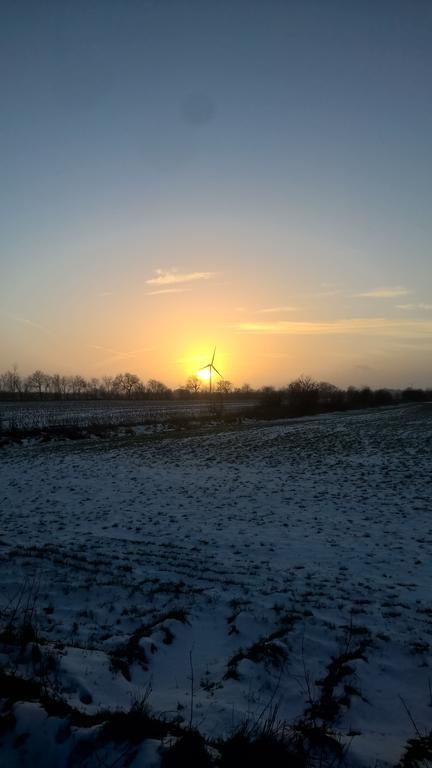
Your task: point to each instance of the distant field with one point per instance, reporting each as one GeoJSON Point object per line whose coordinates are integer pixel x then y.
{"type": "Point", "coordinates": [220, 576]}
{"type": "Point", "coordinates": [82, 413]}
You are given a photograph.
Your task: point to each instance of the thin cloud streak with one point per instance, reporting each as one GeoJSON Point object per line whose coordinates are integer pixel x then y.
{"type": "Point", "coordinates": [378, 326]}
{"type": "Point", "coordinates": [169, 277]}
{"type": "Point", "coordinates": [117, 355]}
{"type": "Point", "coordinates": [26, 321]}
{"type": "Point", "coordinates": [383, 293]}
{"type": "Point", "coordinates": [423, 307]}
{"type": "Point", "coordinates": [167, 290]}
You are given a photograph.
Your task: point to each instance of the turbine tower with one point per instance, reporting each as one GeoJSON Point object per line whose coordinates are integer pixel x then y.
{"type": "Point", "coordinates": [211, 368]}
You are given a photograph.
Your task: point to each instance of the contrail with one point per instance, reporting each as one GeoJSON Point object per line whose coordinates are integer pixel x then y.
{"type": "Point", "coordinates": [26, 321]}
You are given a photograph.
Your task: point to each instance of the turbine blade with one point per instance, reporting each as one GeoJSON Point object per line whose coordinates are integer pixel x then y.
{"type": "Point", "coordinates": [215, 369]}
{"type": "Point", "coordinates": [212, 360]}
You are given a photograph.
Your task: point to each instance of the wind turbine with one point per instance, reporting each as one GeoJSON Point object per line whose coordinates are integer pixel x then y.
{"type": "Point", "coordinates": [211, 368]}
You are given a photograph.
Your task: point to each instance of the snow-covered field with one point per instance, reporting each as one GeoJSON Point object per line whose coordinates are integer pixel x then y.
{"type": "Point", "coordinates": [82, 413]}
{"type": "Point", "coordinates": [218, 575]}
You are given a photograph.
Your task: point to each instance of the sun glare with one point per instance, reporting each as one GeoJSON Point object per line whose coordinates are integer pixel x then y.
{"type": "Point", "coordinates": [196, 360]}
{"type": "Point", "coordinates": [204, 374]}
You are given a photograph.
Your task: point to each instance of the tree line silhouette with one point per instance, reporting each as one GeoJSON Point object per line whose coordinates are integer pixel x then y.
{"type": "Point", "coordinates": [305, 396]}
{"type": "Point", "coordinates": [302, 396]}
{"type": "Point", "coordinates": [40, 385]}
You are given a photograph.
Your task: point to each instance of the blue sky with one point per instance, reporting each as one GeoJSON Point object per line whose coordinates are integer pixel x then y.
{"type": "Point", "coordinates": [281, 149]}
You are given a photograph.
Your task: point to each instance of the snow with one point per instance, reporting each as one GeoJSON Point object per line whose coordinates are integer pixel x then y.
{"type": "Point", "coordinates": [304, 539]}
{"type": "Point", "coordinates": [143, 414]}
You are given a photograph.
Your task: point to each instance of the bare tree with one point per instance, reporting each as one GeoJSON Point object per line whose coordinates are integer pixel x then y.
{"type": "Point", "coordinates": [224, 386]}
{"type": "Point", "coordinates": [131, 382]}
{"type": "Point", "coordinates": [37, 380]}
{"type": "Point", "coordinates": [64, 385]}
{"type": "Point", "coordinates": [94, 386]}
{"type": "Point", "coordinates": [157, 389]}
{"type": "Point", "coordinates": [107, 383]}
{"type": "Point", "coordinates": [56, 385]}
{"type": "Point", "coordinates": [11, 381]}
{"type": "Point", "coordinates": [193, 384]}
{"type": "Point", "coordinates": [303, 394]}
{"type": "Point", "coordinates": [126, 383]}
{"type": "Point", "coordinates": [330, 395]}
{"type": "Point", "coordinates": [78, 385]}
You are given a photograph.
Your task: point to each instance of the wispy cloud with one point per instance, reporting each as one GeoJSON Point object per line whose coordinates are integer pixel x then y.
{"type": "Point", "coordinates": [275, 310]}
{"type": "Point", "coordinates": [167, 290]}
{"type": "Point", "coordinates": [376, 326]}
{"type": "Point", "coordinates": [106, 349]}
{"type": "Point", "coordinates": [384, 293]}
{"type": "Point", "coordinates": [171, 276]}
{"type": "Point", "coordinates": [117, 355]}
{"type": "Point", "coordinates": [26, 321]}
{"type": "Point", "coordinates": [424, 307]}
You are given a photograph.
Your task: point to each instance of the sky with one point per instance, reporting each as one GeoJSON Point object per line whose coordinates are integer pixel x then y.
{"type": "Point", "coordinates": [183, 174]}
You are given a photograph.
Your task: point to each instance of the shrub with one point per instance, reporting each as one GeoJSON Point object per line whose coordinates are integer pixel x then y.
{"type": "Point", "coordinates": [189, 750]}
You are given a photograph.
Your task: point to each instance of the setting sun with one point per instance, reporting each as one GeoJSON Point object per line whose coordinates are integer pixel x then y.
{"type": "Point", "coordinates": [203, 374]}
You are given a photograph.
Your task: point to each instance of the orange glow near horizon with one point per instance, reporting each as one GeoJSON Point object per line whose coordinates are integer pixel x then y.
{"type": "Point", "coordinates": [172, 337]}
{"type": "Point", "coordinates": [198, 356]}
